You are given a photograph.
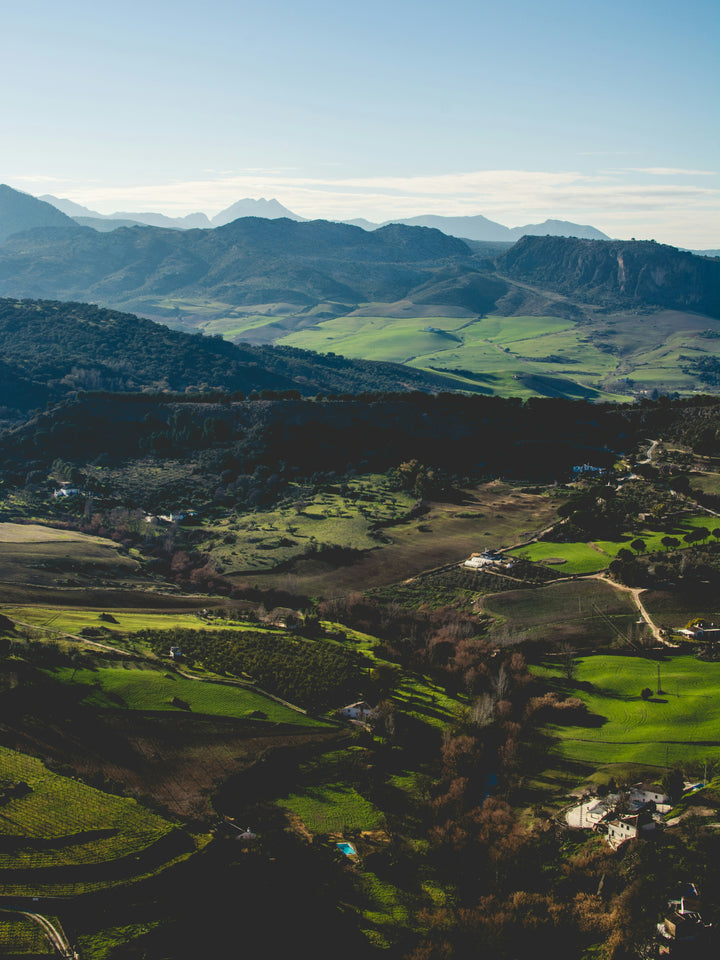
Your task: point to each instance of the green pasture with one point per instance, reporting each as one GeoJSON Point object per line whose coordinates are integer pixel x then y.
{"type": "Point", "coordinates": [262, 540]}
{"type": "Point", "coordinates": [680, 724]}
{"type": "Point", "coordinates": [59, 812]}
{"type": "Point", "coordinates": [56, 622]}
{"type": "Point", "coordinates": [598, 353]}
{"type": "Point", "coordinates": [580, 558]}
{"type": "Point", "coordinates": [136, 686]}
{"type": "Point", "coordinates": [333, 808]}
{"type": "Point", "coordinates": [576, 557]}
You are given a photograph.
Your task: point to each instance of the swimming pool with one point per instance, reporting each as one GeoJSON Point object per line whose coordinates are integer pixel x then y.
{"type": "Point", "coordinates": [348, 849]}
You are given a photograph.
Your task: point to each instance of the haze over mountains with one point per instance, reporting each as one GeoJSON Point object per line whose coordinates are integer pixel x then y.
{"type": "Point", "coordinates": [595, 317]}
{"type": "Point", "coordinates": [471, 228]}
{"type": "Point", "coordinates": [328, 268]}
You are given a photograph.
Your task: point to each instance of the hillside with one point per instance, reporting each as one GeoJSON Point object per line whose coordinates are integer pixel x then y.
{"type": "Point", "coordinates": [52, 350]}
{"type": "Point", "coordinates": [20, 212]}
{"type": "Point", "coordinates": [617, 273]}
{"type": "Point", "coordinates": [248, 261]}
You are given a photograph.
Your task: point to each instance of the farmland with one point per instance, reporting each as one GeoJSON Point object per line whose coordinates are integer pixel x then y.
{"type": "Point", "coordinates": [522, 356]}
{"type": "Point", "coordinates": [58, 830]}
{"type": "Point", "coordinates": [134, 686]}
{"type": "Point", "coordinates": [580, 558]}
{"type": "Point", "coordinates": [674, 727]}
{"type": "Point", "coordinates": [493, 514]}
{"type": "Point", "coordinates": [584, 612]}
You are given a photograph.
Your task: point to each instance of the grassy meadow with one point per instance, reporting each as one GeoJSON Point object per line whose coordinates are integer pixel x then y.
{"type": "Point", "coordinates": [581, 558]}
{"type": "Point", "coordinates": [679, 725]}
{"type": "Point", "coordinates": [138, 686]}
{"type": "Point", "coordinates": [514, 356]}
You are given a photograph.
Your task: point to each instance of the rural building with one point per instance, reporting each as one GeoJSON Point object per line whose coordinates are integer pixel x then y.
{"type": "Point", "coordinates": [630, 828]}
{"type": "Point", "coordinates": [176, 653]}
{"type": "Point", "coordinates": [643, 793]}
{"type": "Point", "coordinates": [587, 815]}
{"type": "Point", "coordinates": [358, 711]}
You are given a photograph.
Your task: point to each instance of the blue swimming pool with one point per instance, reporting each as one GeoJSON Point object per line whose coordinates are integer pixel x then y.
{"type": "Point", "coordinates": [348, 849]}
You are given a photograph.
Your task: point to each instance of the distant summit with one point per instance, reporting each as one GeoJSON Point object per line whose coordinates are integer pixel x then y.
{"type": "Point", "coordinates": [481, 229]}
{"type": "Point", "coordinates": [558, 228]}
{"type": "Point", "coordinates": [84, 216]}
{"type": "Point", "coordinates": [267, 209]}
{"type": "Point", "coordinates": [20, 212]}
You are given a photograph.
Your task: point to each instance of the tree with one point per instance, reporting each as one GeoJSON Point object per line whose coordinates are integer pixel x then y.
{"type": "Point", "coordinates": [638, 545]}
{"type": "Point", "coordinates": [646, 693]}
{"type": "Point", "coordinates": [673, 783]}
{"type": "Point", "coordinates": [671, 543]}
{"type": "Point", "coordinates": [567, 659]}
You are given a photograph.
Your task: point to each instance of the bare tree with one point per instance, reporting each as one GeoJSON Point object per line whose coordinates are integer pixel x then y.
{"type": "Point", "coordinates": [568, 661]}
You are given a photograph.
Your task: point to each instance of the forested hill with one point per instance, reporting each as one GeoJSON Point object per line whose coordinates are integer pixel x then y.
{"type": "Point", "coordinates": [616, 272]}
{"type": "Point", "coordinates": [51, 350]}
{"type": "Point", "coordinates": [247, 261]}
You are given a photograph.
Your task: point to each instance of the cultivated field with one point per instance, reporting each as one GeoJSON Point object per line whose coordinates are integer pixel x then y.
{"type": "Point", "coordinates": [38, 555]}
{"type": "Point", "coordinates": [583, 612]}
{"type": "Point", "coordinates": [55, 829]}
{"type": "Point", "coordinates": [521, 356]}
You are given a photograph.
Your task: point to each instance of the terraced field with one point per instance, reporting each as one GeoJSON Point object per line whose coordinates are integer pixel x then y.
{"type": "Point", "coordinates": [57, 830]}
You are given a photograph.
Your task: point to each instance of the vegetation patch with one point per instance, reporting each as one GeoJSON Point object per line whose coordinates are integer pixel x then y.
{"type": "Point", "coordinates": [135, 687]}
{"type": "Point", "coordinates": [61, 823]}
{"type": "Point", "coordinates": [678, 724]}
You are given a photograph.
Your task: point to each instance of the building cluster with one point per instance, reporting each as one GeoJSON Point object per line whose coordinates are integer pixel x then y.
{"type": "Point", "coordinates": [623, 816]}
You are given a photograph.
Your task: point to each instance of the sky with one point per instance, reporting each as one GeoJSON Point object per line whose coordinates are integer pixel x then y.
{"type": "Point", "coordinates": [599, 113]}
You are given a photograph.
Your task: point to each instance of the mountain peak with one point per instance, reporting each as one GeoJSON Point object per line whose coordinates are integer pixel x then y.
{"type": "Point", "coordinates": [21, 211]}
{"type": "Point", "coordinates": [267, 209]}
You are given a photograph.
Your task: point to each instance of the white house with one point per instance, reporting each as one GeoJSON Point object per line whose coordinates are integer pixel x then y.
{"type": "Point", "coordinates": [629, 828]}
{"type": "Point", "coordinates": [643, 793]}
{"type": "Point", "coordinates": [359, 711]}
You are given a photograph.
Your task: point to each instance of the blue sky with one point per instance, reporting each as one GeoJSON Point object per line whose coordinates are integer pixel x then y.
{"type": "Point", "coordinates": [602, 113]}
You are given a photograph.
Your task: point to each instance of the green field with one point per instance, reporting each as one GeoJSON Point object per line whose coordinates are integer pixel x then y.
{"type": "Point", "coordinates": [62, 822]}
{"type": "Point", "coordinates": [262, 540]}
{"type": "Point", "coordinates": [679, 725]}
{"type": "Point", "coordinates": [20, 935]}
{"type": "Point", "coordinates": [514, 356]}
{"type": "Point", "coordinates": [580, 558]}
{"type": "Point", "coordinates": [135, 686]}
{"type": "Point", "coordinates": [333, 808]}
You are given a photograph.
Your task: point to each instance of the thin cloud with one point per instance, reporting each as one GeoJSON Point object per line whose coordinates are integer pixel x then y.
{"type": "Point", "coordinates": [613, 201]}
{"type": "Point", "coordinates": [672, 172]}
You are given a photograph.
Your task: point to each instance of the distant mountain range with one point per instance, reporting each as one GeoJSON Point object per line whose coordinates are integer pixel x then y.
{"type": "Point", "coordinates": [317, 269]}
{"type": "Point", "coordinates": [466, 228]}
{"type": "Point", "coordinates": [268, 209]}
